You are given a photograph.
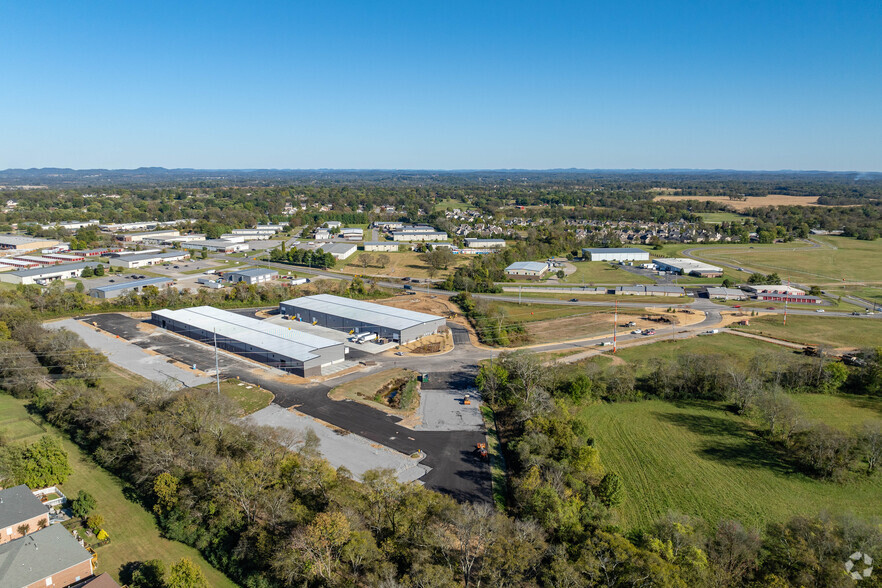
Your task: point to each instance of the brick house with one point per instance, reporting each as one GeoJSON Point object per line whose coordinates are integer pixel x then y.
{"type": "Point", "coordinates": [19, 506]}
{"type": "Point", "coordinates": [48, 558]}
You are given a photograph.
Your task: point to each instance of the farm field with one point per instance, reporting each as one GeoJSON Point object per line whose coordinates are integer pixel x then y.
{"type": "Point", "coordinates": [133, 531]}
{"type": "Point", "coordinates": [842, 259]}
{"type": "Point", "coordinates": [750, 201]}
{"type": "Point", "coordinates": [402, 264]}
{"type": "Point", "coordinates": [601, 272]}
{"type": "Point", "coordinates": [451, 203]}
{"type": "Point", "coordinates": [817, 330]}
{"type": "Point", "coordinates": [843, 411]}
{"type": "Point", "coordinates": [699, 459]}
{"type": "Point", "coordinates": [723, 217]}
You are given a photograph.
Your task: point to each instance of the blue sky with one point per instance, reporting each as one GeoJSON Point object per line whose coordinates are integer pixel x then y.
{"type": "Point", "coordinates": [442, 85]}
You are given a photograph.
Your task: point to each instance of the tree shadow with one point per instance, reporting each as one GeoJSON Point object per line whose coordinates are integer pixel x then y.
{"type": "Point", "coordinates": [730, 442]}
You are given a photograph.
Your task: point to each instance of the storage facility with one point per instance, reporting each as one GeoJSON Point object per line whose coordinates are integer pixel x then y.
{"type": "Point", "coordinates": [41, 275]}
{"type": "Point", "coordinates": [420, 235]}
{"type": "Point", "coordinates": [682, 265]}
{"type": "Point", "coordinates": [527, 269]}
{"type": "Point", "coordinates": [650, 291]}
{"type": "Point", "coordinates": [345, 314]}
{"type": "Point", "coordinates": [485, 243]}
{"type": "Point", "coordinates": [615, 254]}
{"type": "Point", "coordinates": [20, 243]}
{"type": "Point", "coordinates": [138, 237]}
{"type": "Point", "coordinates": [380, 246]}
{"type": "Point", "coordinates": [254, 275]}
{"type": "Point", "coordinates": [775, 289]}
{"type": "Point", "coordinates": [793, 298]}
{"type": "Point", "coordinates": [216, 245]}
{"type": "Point", "coordinates": [726, 293]}
{"type": "Point", "coordinates": [284, 348]}
{"type": "Point", "coordinates": [115, 290]}
{"type": "Point", "coordinates": [148, 259]}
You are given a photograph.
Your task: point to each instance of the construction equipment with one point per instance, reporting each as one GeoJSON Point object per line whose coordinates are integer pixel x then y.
{"type": "Point", "coordinates": [481, 449]}
{"type": "Point", "coordinates": [466, 399]}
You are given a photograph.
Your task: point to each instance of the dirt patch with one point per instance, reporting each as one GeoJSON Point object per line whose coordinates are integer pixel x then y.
{"type": "Point", "coordinates": [750, 201]}
{"type": "Point", "coordinates": [422, 302]}
{"type": "Point", "coordinates": [601, 323]}
{"type": "Point", "coordinates": [439, 343]}
{"type": "Point", "coordinates": [389, 390]}
{"type": "Point", "coordinates": [146, 327]}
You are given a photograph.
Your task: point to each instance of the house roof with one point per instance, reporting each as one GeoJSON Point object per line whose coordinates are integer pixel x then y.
{"type": "Point", "coordinates": [366, 312]}
{"type": "Point", "coordinates": [102, 581]}
{"type": "Point", "coordinates": [39, 555]}
{"type": "Point", "coordinates": [19, 504]}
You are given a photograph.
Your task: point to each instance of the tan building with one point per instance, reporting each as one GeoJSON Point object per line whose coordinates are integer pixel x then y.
{"type": "Point", "coordinates": [19, 506]}
{"type": "Point", "coordinates": [19, 243]}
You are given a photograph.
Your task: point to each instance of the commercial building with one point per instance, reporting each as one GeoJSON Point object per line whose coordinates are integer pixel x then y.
{"type": "Point", "coordinates": [115, 290]}
{"type": "Point", "coordinates": [42, 275]}
{"type": "Point", "coordinates": [340, 250]}
{"type": "Point", "coordinates": [37, 259]}
{"type": "Point", "coordinates": [684, 266]}
{"type": "Point", "coordinates": [485, 243]}
{"type": "Point", "coordinates": [650, 291]}
{"type": "Point", "coordinates": [242, 237]}
{"type": "Point", "coordinates": [793, 298]}
{"type": "Point", "coordinates": [412, 235]}
{"type": "Point", "coordinates": [71, 257]}
{"type": "Point", "coordinates": [99, 252]}
{"type": "Point", "coordinates": [19, 506]}
{"type": "Point", "coordinates": [387, 225]}
{"type": "Point", "coordinates": [615, 254]}
{"type": "Point", "coordinates": [333, 224]}
{"type": "Point", "coordinates": [255, 275]}
{"type": "Point", "coordinates": [148, 259]}
{"type": "Point", "coordinates": [48, 557]}
{"type": "Point", "coordinates": [775, 289]}
{"type": "Point", "coordinates": [70, 225]}
{"type": "Point", "coordinates": [345, 314]}
{"type": "Point", "coordinates": [17, 263]}
{"type": "Point", "coordinates": [726, 293]}
{"type": "Point", "coordinates": [527, 269]}
{"type": "Point", "coordinates": [215, 245]}
{"type": "Point", "coordinates": [139, 237]}
{"type": "Point", "coordinates": [352, 234]}
{"type": "Point", "coordinates": [287, 349]}
{"type": "Point", "coordinates": [322, 234]}
{"type": "Point", "coordinates": [380, 246]}
{"type": "Point", "coordinates": [19, 243]}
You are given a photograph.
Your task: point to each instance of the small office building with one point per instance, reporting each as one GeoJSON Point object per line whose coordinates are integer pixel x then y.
{"type": "Point", "coordinates": [126, 286]}
{"type": "Point", "coordinates": [688, 267]}
{"type": "Point", "coordinates": [254, 275]}
{"type": "Point", "coordinates": [411, 235]}
{"type": "Point", "coordinates": [345, 314]}
{"type": "Point", "coordinates": [280, 347]}
{"type": "Point", "coordinates": [42, 275]}
{"type": "Point", "coordinates": [527, 269]}
{"type": "Point", "coordinates": [380, 246]}
{"type": "Point", "coordinates": [147, 259]}
{"type": "Point", "coordinates": [615, 254]}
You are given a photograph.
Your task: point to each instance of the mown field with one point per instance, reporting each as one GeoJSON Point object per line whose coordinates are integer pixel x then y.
{"type": "Point", "coordinates": [843, 411]}
{"type": "Point", "coordinates": [819, 330]}
{"type": "Point", "coordinates": [451, 203]}
{"type": "Point", "coordinates": [723, 217]}
{"type": "Point", "coordinates": [842, 259]}
{"type": "Point", "coordinates": [698, 459]}
{"type": "Point", "coordinates": [601, 272]}
{"type": "Point", "coordinates": [133, 531]}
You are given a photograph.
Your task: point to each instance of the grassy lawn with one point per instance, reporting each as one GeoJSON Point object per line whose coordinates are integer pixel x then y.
{"type": "Point", "coordinates": [843, 411]}
{"type": "Point", "coordinates": [698, 459]}
{"type": "Point", "coordinates": [248, 397]}
{"type": "Point", "coordinates": [601, 272]}
{"type": "Point", "coordinates": [869, 294]}
{"type": "Point", "coordinates": [218, 267]}
{"type": "Point", "coordinates": [610, 298]}
{"type": "Point", "coordinates": [844, 258]}
{"type": "Point", "coordinates": [527, 313]}
{"type": "Point", "coordinates": [365, 389]}
{"type": "Point", "coordinates": [832, 304]}
{"type": "Point", "coordinates": [498, 478]}
{"type": "Point", "coordinates": [835, 331]}
{"type": "Point", "coordinates": [723, 217]}
{"type": "Point", "coordinates": [133, 531]}
{"type": "Point", "coordinates": [451, 203]}
{"type": "Point", "coordinates": [402, 264]}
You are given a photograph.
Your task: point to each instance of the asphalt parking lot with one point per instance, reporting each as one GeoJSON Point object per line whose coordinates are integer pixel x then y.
{"type": "Point", "coordinates": [445, 410]}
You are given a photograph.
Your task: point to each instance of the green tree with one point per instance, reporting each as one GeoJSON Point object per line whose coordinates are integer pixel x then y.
{"type": "Point", "coordinates": [203, 253]}
{"type": "Point", "coordinates": [42, 464]}
{"type": "Point", "coordinates": [95, 522]}
{"type": "Point", "coordinates": [99, 270]}
{"type": "Point", "coordinates": [88, 272]}
{"type": "Point", "coordinates": [185, 574]}
{"type": "Point", "coordinates": [150, 574]}
{"type": "Point", "coordinates": [165, 487]}
{"type": "Point", "coordinates": [609, 491]}
{"type": "Point", "coordinates": [79, 288]}
{"type": "Point", "coordinates": [83, 504]}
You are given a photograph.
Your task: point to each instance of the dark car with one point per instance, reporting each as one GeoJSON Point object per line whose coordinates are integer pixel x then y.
{"type": "Point", "coordinates": [574, 299]}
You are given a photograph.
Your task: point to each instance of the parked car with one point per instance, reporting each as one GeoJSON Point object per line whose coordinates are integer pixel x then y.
{"type": "Point", "coordinates": [637, 332]}
{"type": "Point", "coordinates": [649, 332]}
{"type": "Point", "coordinates": [574, 299]}
{"type": "Point", "coordinates": [820, 310]}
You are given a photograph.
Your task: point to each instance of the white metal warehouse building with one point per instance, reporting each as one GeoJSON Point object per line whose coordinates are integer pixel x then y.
{"type": "Point", "coordinates": [287, 349]}
{"type": "Point", "coordinates": [615, 254]}
{"type": "Point", "coordinates": [345, 314]}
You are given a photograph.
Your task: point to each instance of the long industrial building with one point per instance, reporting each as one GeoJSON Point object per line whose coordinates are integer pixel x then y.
{"type": "Point", "coordinates": [345, 314]}
{"type": "Point", "coordinates": [615, 254]}
{"type": "Point", "coordinates": [116, 290]}
{"type": "Point", "coordinates": [682, 265]}
{"type": "Point", "coordinates": [42, 275]}
{"type": "Point", "coordinates": [287, 349]}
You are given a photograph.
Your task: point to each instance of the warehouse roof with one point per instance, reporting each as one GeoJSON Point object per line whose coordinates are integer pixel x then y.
{"type": "Point", "coordinates": [614, 250]}
{"type": "Point", "coordinates": [688, 265]}
{"type": "Point", "coordinates": [392, 243]}
{"type": "Point", "coordinates": [39, 555]}
{"type": "Point", "coordinates": [133, 284]}
{"type": "Point", "coordinates": [367, 312]}
{"type": "Point", "coordinates": [338, 248]}
{"type": "Point", "coordinates": [20, 240]}
{"type": "Point", "coordinates": [253, 272]}
{"type": "Point", "coordinates": [142, 256]}
{"type": "Point", "coordinates": [55, 269]}
{"type": "Point", "coordinates": [276, 339]}
{"type": "Point", "coordinates": [18, 504]}
{"type": "Point", "coordinates": [530, 266]}
{"type": "Point", "coordinates": [716, 291]}
{"type": "Point", "coordinates": [666, 289]}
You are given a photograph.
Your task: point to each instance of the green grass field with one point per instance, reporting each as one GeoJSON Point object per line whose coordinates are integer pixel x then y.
{"type": "Point", "coordinates": [451, 203]}
{"type": "Point", "coordinates": [869, 294]}
{"type": "Point", "coordinates": [698, 459]}
{"type": "Point", "coordinates": [248, 397]}
{"type": "Point", "coordinates": [133, 531]}
{"type": "Point", "coordinates": [528, 313]}
{"type": "Point", "coordinates": [834, 331]}
{"type": "Point", "coordinates": [601, 272]}
{"type": "Point", "coordinates": [723, 217]}
{"type": "Point", "coordinates": [843, 411]}
{"type": "Point", "coordinates": [843, 258]}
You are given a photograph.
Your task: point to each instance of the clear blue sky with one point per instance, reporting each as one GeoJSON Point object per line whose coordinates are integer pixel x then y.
{"type": "Point", "coordinates": [442, 85]}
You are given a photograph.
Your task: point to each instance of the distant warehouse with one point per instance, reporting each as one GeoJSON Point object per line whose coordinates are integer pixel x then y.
{"type": "Point", "coordinates": [147, 259]}
{"type": "Point", "coordinates": [485, 243]}
{"type": "Point", "coordinates": [615, 254]}
{"type": "Point", "coordinates": [690, 267]}
{"type": "Point", "coordinates": [20, 243]}
{"type": "Point", "coordinates": [287, 349]}
{"type": "Point", "coordinates": [255, 275]}
{"type": "Point", "coordinates": [380, 246]}
{"type": "Point", "coordinates": [527, 269]}
{"type": "Point", "coordinates": [345, 314]}
{"type": "Point", "coordinates": [726, 293]}
{"type": "Point", "coordinates": [42, 275]}
{"type": "Point", "coordinates": [115, 290]}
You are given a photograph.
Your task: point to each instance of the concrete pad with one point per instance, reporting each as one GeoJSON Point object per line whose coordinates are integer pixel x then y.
{"type": "Point", "coordinates": [443, 410]}
{"type": "Point", "coordinates": [155, 368]}
{"type": "Point", "coordinates": [352, 451]}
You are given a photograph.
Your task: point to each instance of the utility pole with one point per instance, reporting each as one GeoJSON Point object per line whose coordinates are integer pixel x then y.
{"type": "Point", "coordinates": [785, 312]}
{"type": "Point", "coordinates": [519, 294]}
{"type": "Point", "coordinates": [216, 367]}
{"type": "Point", "coordinates": [615, 325]}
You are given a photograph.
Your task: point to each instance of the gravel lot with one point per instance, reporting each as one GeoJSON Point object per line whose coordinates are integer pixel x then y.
{"type": "Point", "coordinates": [354, 452]}
{"type": "Point", "coordinates": [443, 410]}
{"type": "Point", "coordinates": [131, 357]}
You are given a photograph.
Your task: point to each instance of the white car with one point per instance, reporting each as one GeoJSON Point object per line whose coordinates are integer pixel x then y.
{"type": "Point", "coordinates": [636, 332]}
{"type": "Point", "coordinates": [820, 310]}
